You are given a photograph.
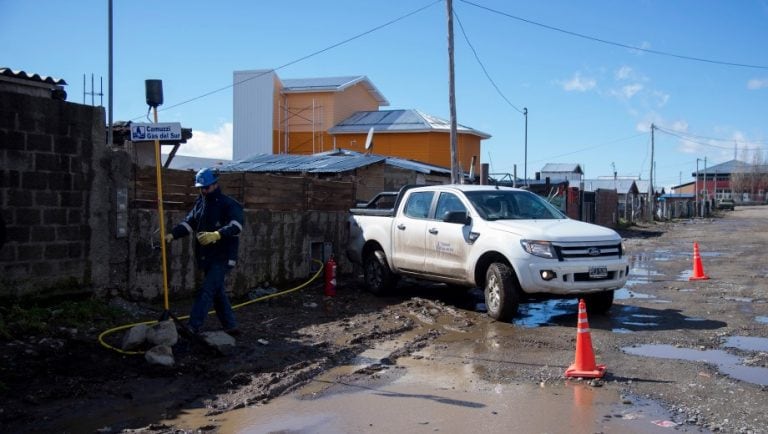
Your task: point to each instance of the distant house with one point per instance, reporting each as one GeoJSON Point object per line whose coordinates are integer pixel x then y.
{"type": "Point", "coordinates": [372, 173]}
{"type": "Point", "coordinates": [562, 171]}
{"type": "Point", "coordinates": [685, 188]}
{"type": "Point", "coordinates": [677, 205]}
{"type": "Point", "coordinates": [626, 190]}
{"type": "Point", "coordinates": [742, 181]}
{"type": "Point", "coordinates": [310, 115]}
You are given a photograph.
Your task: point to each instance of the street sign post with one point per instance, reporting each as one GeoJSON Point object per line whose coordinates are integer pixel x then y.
{"type": "Point", "coordinates": [158, 131]}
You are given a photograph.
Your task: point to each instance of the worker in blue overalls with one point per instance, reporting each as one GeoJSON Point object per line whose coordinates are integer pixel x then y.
{"type": "Point", "coordinates": [217, 221]}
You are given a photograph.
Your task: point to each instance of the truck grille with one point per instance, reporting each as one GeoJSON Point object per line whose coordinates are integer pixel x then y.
{"type": "Point", "coordinates": [587, 250]}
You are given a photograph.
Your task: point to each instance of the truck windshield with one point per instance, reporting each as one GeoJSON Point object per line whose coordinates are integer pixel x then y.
{"type": "Point", "coordinates": [512, 205]}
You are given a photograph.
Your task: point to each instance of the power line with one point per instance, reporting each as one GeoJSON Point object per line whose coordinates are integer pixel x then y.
{"type": "Point", "coordinates": [588, 148]}
{"type": "Point", "coordinates": [338, 44]}
{"type": "Point", "coordinates": [485, 71]}
{"type": "Point", "coordinates": [617, 44]}
{"type": "Point", "coordinates": [716, 139]}
{"type": "Point", "coordinates": [688, 138]}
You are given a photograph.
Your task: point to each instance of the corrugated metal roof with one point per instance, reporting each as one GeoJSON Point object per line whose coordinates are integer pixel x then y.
{"type": "Point", "coordinates": [337, 161]}
{"type": "Point", "coordinates": [331, 84]}
{"type": "Point", "coordinates": [23, 75]}
{"type": "Point", "coordinates": [384, 121]}
{"type": "Point", "coordinates": [733, 166]}
{"type": "Point", "coordinates": [562, 168]}
{"type": "Point", "coordinates": [676, 196]}
{"type": "Point", "coordinates": [622, 186]}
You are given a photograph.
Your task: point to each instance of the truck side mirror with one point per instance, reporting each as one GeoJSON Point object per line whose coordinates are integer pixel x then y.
{"type": "Point", "coordinates": [457, 217]}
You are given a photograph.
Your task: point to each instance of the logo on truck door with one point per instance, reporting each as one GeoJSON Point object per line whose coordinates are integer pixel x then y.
{"type": "Point", "coordinates": [443, 247]}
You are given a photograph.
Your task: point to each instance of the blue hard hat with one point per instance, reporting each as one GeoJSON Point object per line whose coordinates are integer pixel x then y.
{"type": "Point", "coordinates": [206, 177]}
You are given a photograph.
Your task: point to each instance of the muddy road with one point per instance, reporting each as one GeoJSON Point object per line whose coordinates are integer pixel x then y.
{"type": "Point", "coordinates": [681, 355]}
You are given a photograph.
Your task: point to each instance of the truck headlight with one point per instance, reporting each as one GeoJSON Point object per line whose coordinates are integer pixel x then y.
{"type": "Point", "coordinates": [539, 248]}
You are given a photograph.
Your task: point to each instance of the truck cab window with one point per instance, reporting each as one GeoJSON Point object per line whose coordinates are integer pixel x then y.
{"type": "Point", "coordinates": [418, 204]}
{"type": "Point", "coordinates": [448, 202]}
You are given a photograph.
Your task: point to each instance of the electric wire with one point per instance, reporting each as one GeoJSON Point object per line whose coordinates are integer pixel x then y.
{"type": "Point", "coordinates": [688, 138]}
{"type": "Point", "coordinates": [293, 62]}
{"type": "Point", "coordinates": [587, 148]}
{"type": "Point", "coordinates": [617, 44]}
{"type": "Point", "coordinates": [237, 306]}
{"type": "Point", "coordinates": [485, 71]}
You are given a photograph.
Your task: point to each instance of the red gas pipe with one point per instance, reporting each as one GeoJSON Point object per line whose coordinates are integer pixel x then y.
{"type": "Point", "coordinates": [330, 277]}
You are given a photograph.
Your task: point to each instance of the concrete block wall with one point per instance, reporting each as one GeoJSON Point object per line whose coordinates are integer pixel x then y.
{"type": "Point", "coordinates": [46, 159]}
{"type": "Point", "coordinates": [275, 247]}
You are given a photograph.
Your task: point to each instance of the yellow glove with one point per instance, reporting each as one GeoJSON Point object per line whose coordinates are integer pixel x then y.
{"type": "Point", "coordinates": [206, 238]}
{"type": "Point", "coordinates": [168, 238]}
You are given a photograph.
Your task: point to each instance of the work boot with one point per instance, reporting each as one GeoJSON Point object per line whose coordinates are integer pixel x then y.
{"type": "Point", "coordinates": [234, 332]}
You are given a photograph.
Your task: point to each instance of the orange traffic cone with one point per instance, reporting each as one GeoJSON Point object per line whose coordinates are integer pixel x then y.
{"type": "Point", "coordinates": [584, 366]}
{"type": "Point", "coordinates": [698, 268]}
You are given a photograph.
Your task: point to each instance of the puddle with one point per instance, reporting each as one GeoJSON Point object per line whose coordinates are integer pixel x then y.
{"type": "Point", "coordinates": [726, 363]}
{"type": "Point", "coordinates": [533, 313]}
{"type": "Point", "coordinates": [762, 319]}
{"type": "Point", "coordinates": [641, 269]}
{"type": "Point", "coordinates": [709, 254]}
{"type": "Point", "coordinates": [543, 313]}
{"type": "Point", "coordinates": [747, 343]}
{"type": "Point", "coordinates": [739, 299]}
{"type": "Point", "coordinates": [418, 396]}
{"type": "Point", "coordinates": [626, 293]}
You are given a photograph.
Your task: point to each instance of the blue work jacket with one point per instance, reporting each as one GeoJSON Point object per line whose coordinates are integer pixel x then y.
{"type": "Point", "coordinates": [214, 212]}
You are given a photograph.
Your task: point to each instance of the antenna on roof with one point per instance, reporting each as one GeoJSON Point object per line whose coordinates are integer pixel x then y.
{"type": "Point", "coordinates": [369, 141]}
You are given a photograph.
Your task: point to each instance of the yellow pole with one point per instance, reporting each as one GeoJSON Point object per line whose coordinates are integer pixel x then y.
{"type": "Point", "coordinates": [161, 216]}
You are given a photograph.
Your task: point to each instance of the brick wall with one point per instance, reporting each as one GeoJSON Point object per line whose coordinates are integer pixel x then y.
{"type": "Point", "coordinates": [46, 160]}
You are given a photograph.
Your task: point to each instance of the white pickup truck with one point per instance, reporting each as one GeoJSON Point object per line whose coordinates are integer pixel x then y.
{"type": "Point", "coordinates": [508, 241]}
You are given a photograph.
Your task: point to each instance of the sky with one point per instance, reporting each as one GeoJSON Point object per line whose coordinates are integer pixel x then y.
{"type": "Point", "coordinates": [593, 74]}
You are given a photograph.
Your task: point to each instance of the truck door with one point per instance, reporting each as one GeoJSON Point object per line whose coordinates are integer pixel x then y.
{"type": "Point", "coordinates": [409, 232]}
{"type": "Point", "coordinates": [447, 246]}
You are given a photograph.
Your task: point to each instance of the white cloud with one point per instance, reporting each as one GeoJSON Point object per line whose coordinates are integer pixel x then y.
{"type": "Point", "coordinates": [579, 83]}
{"type": "Point", "coordinates": [217, 144]}
{"type": "Point", "coordinates": [662, 98]}
{"type": "Point", "coordinates": [630, 90]}
{"type": "Point", "coordinates": [645, 45]}
{"type": "Point", "coordinates": [623, 73]}
{"type": "Point", "coordinates": [757, 83]}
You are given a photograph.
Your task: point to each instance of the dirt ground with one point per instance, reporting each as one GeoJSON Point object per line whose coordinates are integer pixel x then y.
{"type": "Point", "coordinates": [67, 382]}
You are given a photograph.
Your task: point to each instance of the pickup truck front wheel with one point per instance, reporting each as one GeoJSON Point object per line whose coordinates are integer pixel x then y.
{"type": "Point", "coordinates": [502, 298]}
{"type": "Point", "coordinates": [599, 302]}
{"type": "Point", "coordinates": [378, 276]}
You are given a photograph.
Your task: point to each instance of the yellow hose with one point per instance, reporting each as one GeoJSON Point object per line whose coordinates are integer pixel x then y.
{"type": "Point", "coordinates": [237, 306]}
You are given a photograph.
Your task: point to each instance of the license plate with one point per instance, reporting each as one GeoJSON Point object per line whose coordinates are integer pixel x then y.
{"type": "Point", "coordinates": [598, 272]}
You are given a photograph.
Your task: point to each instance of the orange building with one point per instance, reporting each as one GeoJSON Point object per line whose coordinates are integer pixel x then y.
{"type": "Point", "coordinates": [306, 116]}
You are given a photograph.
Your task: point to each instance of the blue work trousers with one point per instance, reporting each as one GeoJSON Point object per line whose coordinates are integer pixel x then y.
{"type": "Point", "coordinates": [212, 293]}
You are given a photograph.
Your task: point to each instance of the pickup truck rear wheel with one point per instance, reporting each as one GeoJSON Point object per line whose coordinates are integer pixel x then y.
{"type": "Point", "coordinates": [502, 297]}
{"type": "Point", "coordinates": [377, 275]}
{"type": "Point", "coordinates": [599, 302]}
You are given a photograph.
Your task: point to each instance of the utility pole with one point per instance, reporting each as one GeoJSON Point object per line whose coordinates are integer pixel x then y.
{"type": "Point", "coordinates": [452, 95]}
{"type": "Point", "coordinates": [525, 113]}
{"type": "Point", "coordinates": [705, 197]}
{"type": "Point", "coordinates": [650, 180]}
{"type": "Point", "coordinates": [109, 110]}
{"type": "Point", "coordinates": [696, 190]}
